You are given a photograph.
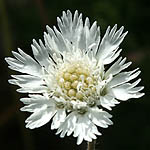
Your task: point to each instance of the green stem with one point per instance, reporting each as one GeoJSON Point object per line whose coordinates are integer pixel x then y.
{"type": "Point", "coordinates": [6, 34]}
{"type": "Point", "coordinates": [8, 45]}
{"type": "Point", "coordinates": [91, 145]}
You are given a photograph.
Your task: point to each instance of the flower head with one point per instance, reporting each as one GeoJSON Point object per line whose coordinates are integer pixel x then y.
{"type": "Point", "coordinates": [67, 80]}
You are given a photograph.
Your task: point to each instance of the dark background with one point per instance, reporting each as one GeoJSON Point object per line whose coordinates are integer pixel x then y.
{"type": "Point", "coordinates": [23, 20]}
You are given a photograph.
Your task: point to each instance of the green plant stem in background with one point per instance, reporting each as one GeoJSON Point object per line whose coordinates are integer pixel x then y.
{"type": "Point", "coordinates": [91, 145]}
{"type": "Point", "coordinates": [7, 47]}
{"type": "Point", "coordinates": [7, 40]}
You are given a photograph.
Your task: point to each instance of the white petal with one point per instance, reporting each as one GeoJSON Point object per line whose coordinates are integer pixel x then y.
{"type": "Point", "coordinates": [123, 78]}
{"type": "Point", "coordinates": [39, 118]}
{"type": "Point", "coordinates": [32, 107]}
{"type": "Point", "coordinates": [28, 83]}
{"type": "Point", "coordinates": [40, 89]}
{"type": "Point", "coordinates": [60, 41]}
{"type": "Point", "coordinates": [58, 118]}
{"type": "Point", "coordinates": [26, 80]}
{"type": "Point", "coordinates": [100, 118]}
{"type": "Point", "coordinates": [85, 129]}
{"type": "Point", "coordinates": [80, 125]}
{"type": "Point", "coordinates": [24, 63]}
{"type": "Point", "coordinates": [117, 67]}
{"type": "Point", "coordinates": [81, 36]}
{"type": "Point", "coordinates": [127, 91]}
{"type": "Point", "coordinates": [89, 38]}
{"type": "Point", "coordinates": [108, 101]}
{"type": "Point", "coordinates": [109, 43]}
{"type": "Point", "coordinates": [38, 99]}
{"type": "Point", "coordinates": [112, 56]}
{"type": "Point", "coordinates": [41, 54]}
{"type": "Point", "coordinates": [71, 27]}
{"type": "Point", "coordinates": [50, 42]}
{"type": "Point", "coordinates": [81, 128]}
{"type": "Point", "coordinates": [68, 126]}
{"type": "Point", "coordinates": [36, 103]}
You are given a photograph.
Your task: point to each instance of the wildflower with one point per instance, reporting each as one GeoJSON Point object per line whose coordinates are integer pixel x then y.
{"type": "Point", "coordinates": [67, 80]}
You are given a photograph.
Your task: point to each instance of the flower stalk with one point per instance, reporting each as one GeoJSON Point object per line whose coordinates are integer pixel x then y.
{"type": "Point", "coordinates": [91, 145]}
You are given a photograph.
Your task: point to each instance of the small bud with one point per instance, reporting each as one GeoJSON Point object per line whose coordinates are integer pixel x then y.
{"type": "Point", "coordinates": [71, 92]}
{"type": "Point", "coordinates": [67, 85]}
{"type": "Point", "coordinates": [79, 95]}
{"type": "Point", "coordinates": [67, 76]}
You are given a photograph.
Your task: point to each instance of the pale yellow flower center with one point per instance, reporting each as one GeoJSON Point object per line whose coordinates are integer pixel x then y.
{"type": "Point", "coordinates": [76, 80]}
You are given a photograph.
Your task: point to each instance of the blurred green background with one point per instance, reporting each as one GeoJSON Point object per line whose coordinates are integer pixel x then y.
{"type": "Point", "coordinates": [23, 20]}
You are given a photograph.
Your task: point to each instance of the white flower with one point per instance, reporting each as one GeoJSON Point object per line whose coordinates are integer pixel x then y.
{"type": "Point", "coordinates": [68, 81]}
